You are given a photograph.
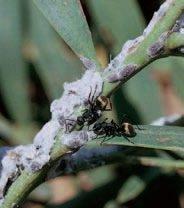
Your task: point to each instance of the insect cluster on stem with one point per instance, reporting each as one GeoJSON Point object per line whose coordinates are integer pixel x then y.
{"type": "Point", "coordinates": [93, 113]}
{"type": "Point", "coordinates": [112, 129]}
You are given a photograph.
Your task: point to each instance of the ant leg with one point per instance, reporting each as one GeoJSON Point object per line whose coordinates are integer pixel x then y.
{"type": "Point", "coordinates": [102, 141]}
{"type": "Point", "coordinates": [89, 129]}
{"type": "Point", "coordinates": [138, 127]}
{"type": "Point", "coordinates": [114, 123]}
{"type": "Point", "coordinates": [128, 139]}
{"type": "Point", "coordinates": [99, 138]}
{"type": "Point", "coordinates": [95, 137]}
{"type": "Point", "coordinates": [106, 139]}
{"type": "Point", "coordinates": [92, 99]}
{"type": "Point", "coordinates": [125, 118]}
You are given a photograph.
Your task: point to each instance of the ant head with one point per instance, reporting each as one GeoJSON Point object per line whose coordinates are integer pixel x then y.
{"type": "Point", "coordinates": [104, 103]}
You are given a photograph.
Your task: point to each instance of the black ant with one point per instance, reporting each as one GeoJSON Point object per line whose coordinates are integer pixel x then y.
{"type": "Point", "coordinates": [93, 113]}
{"type": "Point", "coordinates": [112, 129]}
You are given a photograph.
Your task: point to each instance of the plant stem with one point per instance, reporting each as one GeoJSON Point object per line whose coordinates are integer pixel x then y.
{"type": "Point", "coordinates": [140, 56]}
{"type": "Point", "coordinates": [26, 182]}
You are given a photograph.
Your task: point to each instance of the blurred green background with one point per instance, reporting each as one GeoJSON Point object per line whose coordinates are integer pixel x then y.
{"type": "Point", "coordinates": [35, 62]}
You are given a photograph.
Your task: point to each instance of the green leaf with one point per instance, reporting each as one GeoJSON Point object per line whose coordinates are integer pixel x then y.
{"type": "Point", "coordinates": [135, 185]}
{"type": "Point", "coordinates": [106, 192]}
{"type": "Point", "coordinates": [68, 19]}
{"type": "Point", "coordinates": [13, 80]}
{"type": "Point", "coordinates": [168, 163]}
{"type": "Point", "coordinates": [143, 92]}
{"type": "Point", "coordinates": [111, 204]}
{"type": "Point", "coordinates": [42, 193]}
{"type": "Point", "coordinates": [131, 188]}
{"type": "Point", "coordinates": [100, 176]}
{"type": "Point", "coordinates": [52, 62]}
{"type": "Point", "coordinates": [150, 106]}
{"type": "Point", "coordinates": [5, 128]}
{"type": "Point", "coordinates": [117, 20]}
{"type": "Point", "coordinates": [162, 137]}
{"type": "Point", "coordinates": [178, 75]}
{"type": "Point", "coordinates": [16, 134]}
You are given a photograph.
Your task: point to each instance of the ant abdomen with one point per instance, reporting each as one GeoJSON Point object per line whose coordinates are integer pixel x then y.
{"type": "Point", "coordinates": [128, 130]}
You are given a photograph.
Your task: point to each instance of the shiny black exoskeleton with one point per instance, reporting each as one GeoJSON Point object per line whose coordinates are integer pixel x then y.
{"type": "Point", "coordinates": [112, 129]}
{"type": "Point", "coordinates": [89, 116]}
{"type": "Point", "coordinates": [93, 113]}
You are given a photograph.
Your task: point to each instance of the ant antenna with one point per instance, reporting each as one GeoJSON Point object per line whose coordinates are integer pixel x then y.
{"type": "Point", "coordinates": [89, 96]}
{"type": "Point", "coordinates": [92, 99]}
{"type": "Point", "coordinates": [128, 139]}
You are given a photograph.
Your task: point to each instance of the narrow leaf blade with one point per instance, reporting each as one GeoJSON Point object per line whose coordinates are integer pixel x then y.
{"type": "Point", "coordinates": [162, 137]}
{"type": "Point", "coordinates": [52, 63]}
{"type": "Point", "coordinates": [68, 19]}
{"type": "Point", "coordinates": [13, 81]}
{"type": "Point", "coordinates": [119, 20]}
